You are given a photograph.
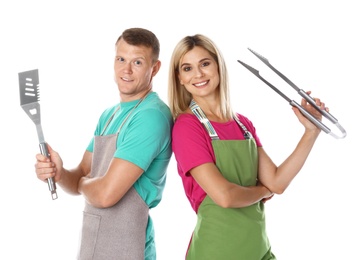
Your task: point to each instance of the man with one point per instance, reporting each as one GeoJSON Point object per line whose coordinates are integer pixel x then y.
{"type": "Point", "coordinates": [123, 170]}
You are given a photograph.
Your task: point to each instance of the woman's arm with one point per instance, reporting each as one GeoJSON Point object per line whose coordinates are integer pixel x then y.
{"type": "Point", "coordinates": [278, 178]}
{"type": "Point", "coordinates": [224, 193]}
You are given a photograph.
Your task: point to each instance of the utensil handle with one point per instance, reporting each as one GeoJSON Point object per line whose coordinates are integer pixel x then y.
{"type": "Point", "coordinates": [318, 123]}
{"type": "Point", "coordinates": [50, 181]}
{"type": "Point", "coordinates": [313, 103]}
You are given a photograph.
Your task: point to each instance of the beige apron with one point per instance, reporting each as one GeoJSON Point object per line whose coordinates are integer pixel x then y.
{"type": "Point", "coordinates": [118, 232]}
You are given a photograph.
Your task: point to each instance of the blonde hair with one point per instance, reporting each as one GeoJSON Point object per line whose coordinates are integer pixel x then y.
{"type": "Point", "coordinates": [178, 97]}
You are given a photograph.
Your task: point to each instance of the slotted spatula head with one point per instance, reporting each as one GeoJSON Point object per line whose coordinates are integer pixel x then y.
{"type": "Point", "coordinates": [29, 94]}
{"type": "Point", "coordinates": [29, 86]}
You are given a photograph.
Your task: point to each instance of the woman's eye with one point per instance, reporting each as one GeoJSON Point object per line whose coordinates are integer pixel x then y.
{"type": "Point", "coordinates": [205, 64]}
{"type": "Point", "coordinates": [186, 68]}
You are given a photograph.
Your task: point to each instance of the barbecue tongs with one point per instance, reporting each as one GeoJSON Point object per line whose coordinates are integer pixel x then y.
{"type": "Point", "coordinates": [302, 93]}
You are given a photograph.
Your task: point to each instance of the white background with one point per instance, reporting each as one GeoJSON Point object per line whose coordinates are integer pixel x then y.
{"type": "Point", "coordinates": [72, 44]}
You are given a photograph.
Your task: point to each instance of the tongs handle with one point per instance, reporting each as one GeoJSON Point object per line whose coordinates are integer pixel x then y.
{"type": "Point", "coordinates": [318, 123]}
{"type": "Point", "coordinates": [50, 181]}
{"type": "Point", "coordinates": [313, 103]}
{"type": "Point", "coordinates": [326, 114]}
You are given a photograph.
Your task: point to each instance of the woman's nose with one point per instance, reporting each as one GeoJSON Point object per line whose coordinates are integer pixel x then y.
{"type": "Point", "coordinates": [199, 72]}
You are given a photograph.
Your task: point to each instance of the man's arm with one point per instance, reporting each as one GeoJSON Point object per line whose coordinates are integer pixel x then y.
{"type": "Point", "coordinates": [53, 167]}
{"type": "Point", "coordinates": [69, 180]}
{"type": "Point", "coordinates": [107, 190]}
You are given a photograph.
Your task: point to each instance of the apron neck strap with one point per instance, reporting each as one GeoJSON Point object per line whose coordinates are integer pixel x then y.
{"type": "Point", "coordinates": [198, 112]}
{"type": "Point", "coordinates": [247, 135]}
{"type": "Point", "coordinates": [126, 118]}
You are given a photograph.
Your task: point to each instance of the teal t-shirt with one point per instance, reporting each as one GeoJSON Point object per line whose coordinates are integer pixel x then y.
{"type": "Point", "coordinates": [145, 140]}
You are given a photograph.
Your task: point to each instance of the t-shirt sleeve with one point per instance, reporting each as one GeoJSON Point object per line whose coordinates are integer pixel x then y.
{"type": "Point", "coordinates": [148, 133]}
{"type": "Point", "coordinates": [190, 144]}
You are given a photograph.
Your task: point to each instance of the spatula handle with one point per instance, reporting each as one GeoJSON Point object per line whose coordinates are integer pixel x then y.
{"type": "Point", "coordinates": [50, 181]}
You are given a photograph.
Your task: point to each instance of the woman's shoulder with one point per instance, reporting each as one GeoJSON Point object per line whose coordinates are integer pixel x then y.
{"type": "Point", "coordinates": [186, 122]}
{"type": "Point", "coordinates": [185, 116]}
{"type": "Point", "coordinates": [244, 119]}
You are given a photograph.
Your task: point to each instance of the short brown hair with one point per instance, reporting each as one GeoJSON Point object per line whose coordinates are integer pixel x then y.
{"type": "Point", "coordinates": [142, 37]}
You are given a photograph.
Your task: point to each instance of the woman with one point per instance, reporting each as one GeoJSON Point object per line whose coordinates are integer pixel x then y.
{"type": "Point", "coordinates": [226, 173]}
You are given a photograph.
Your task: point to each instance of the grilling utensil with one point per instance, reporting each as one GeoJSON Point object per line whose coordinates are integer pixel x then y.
{"type": "Point", "coordinates": [302, 93]}
{"type": "Point", "coordinates": [29, 97]}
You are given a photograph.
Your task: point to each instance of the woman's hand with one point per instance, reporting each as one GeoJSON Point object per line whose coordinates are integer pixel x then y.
{"type": "Point", "coordinates": [269, 194]}
{"type": "Point", "coordinates": [306, 122]}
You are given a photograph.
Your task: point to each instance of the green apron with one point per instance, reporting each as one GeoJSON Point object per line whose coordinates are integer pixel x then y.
{"type": "Point", "coordinates": [231, 233]}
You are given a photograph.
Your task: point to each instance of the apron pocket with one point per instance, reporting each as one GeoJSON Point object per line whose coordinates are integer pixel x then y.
{"type": "Point", "coordinates": [89, 235]}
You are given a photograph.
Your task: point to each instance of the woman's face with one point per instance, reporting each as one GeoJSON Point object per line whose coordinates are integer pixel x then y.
{"type": "Point", "coordinates": [198, 72]}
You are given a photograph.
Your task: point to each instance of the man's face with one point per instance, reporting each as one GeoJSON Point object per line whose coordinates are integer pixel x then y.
{"type": "Point", "coordinates": [133, 70]}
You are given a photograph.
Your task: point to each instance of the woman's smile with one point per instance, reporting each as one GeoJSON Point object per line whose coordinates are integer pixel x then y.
{"type": "Point", "coordinates": [201, 84]}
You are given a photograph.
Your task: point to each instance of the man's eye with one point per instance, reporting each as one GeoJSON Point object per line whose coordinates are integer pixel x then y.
{"type": "Point", "coordinates": [137, 62]}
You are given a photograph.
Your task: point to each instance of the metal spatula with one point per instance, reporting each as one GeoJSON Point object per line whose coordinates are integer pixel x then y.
{"type": "Point", "coordinates": [29, 97]}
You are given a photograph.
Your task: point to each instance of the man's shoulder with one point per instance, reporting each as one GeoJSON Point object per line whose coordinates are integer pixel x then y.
{"type": "Point", "coordinates": [154, 104]}
{"type": "Point", "coordinates": [154, 98]}
{"type": "Point", "coordinates": [107, 112]}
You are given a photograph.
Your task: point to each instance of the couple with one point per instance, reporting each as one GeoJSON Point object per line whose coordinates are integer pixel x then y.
{"type": "Point", "coordinates": [226, 173]}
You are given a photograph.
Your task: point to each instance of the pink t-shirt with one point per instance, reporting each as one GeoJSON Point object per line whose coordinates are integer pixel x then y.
{"type": "Point", "coordinates": [192, 147]}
